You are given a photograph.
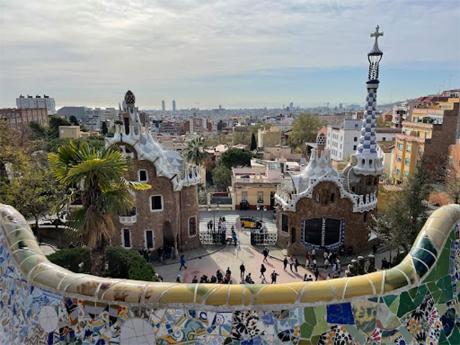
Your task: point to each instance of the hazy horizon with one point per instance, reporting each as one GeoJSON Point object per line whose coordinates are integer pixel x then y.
{"type": "Point", "coordinates": [237, 54]}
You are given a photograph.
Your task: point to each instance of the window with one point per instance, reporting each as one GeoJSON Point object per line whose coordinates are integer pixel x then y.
{"type": "Point", "coordinates": [149, 239]}
{"type": "Point", "coordinates": [354, 147]}
{"type": "Point", "coordinates": [260, 197]}
{"type": "Point", "coordinates": [142, 175]}
{"type": "Point", "coordinates": [284, 223]}
{"type": "Point", "coordinates": [384, 139]}
{"type": "Point", "coordinates": [355, 139]}
{"type": "Point", "coordinates": [126, 238]}
{"type": "Point", "coordinates": [192, 226]}
{"type": "Point", "coordinates": [156, 203]}
{"type": "Point", "coordinates": [244, 196]}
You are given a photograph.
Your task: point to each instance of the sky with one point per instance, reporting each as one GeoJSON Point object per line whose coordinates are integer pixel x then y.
{"type": "Point", "coordinates": [235, 53]}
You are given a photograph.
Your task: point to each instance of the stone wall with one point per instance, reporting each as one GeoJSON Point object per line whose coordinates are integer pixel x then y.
{"type": "Point", "coordinates": [178, 207]}
{"type": "Point", "coordinates": [415, 302]}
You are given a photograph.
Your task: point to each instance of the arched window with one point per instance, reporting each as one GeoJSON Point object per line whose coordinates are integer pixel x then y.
{"type": "Point", "coordinates": [192, 226]}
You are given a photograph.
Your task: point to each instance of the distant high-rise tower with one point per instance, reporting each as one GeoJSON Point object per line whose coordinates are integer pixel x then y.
{"type": "Point", "coordinates": [174, 105]}
{"type": "Point", "coordinates": [163, 106]}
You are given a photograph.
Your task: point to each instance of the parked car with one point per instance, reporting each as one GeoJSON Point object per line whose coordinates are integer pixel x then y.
{"type": "Point", "coordinates": [250, 223]}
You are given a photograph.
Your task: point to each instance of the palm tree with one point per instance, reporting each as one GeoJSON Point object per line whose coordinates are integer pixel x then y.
{"type": "Point", "coordinates": [97, 178]}
{"type": "Point", "coordinates": [194, 152]}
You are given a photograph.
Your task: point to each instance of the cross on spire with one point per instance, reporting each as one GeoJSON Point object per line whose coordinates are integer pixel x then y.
{"type": "Point", "coordinates": [376, 34]}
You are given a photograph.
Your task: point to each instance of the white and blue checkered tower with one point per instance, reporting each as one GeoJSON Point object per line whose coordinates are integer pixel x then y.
{"type": "Point", "coordinates": [369, 157]}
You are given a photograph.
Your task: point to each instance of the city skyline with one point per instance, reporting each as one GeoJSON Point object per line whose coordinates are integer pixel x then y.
{"type": "Point", "coordinates": [311, 53]}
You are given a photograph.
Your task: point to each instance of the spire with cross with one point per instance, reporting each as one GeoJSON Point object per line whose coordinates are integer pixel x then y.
{"type": "Point", "coordinates": [368, 154]}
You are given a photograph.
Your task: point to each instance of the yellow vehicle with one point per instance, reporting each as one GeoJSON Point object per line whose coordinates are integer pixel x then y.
{"type": "Point", "coordinates": [250, 223]}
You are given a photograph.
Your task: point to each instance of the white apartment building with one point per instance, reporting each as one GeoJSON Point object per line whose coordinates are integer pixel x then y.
{"type": "Point", "coordinates": [30, 102]}
{"type": "Point", "coordinates": [343, 140]}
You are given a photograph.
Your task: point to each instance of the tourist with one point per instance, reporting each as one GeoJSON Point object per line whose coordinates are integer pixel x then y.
{"type": "Point", "coordinates": [265, 253]}
{"type": "Point", "coordinates": [219, 276]}
{"type": "Point", "coordinates": [316, 273]}
{"type": "Point", "coordinates": [314, 264]}
{"type": "Point", "coordinates": [326, 263]}
{"type": "Point", "coordinates": [204, 279]}
{"type": "Point", "coordinates": [285, 262]}
{"type": "Point", "coordinates": [248, 279]}
{"type": "Point", "coordinates": [228, 276]}
{"type": "Point", "coordinates": [158, 277]}
{"type": "Point", "coordinates": [242, 270]}
{"type": "Point", "coordinates": [213, 279]}
{"type": "Point", "coordinates": [178, 278]}
{"type": "Point", "coordinates": [291, 263]}
{"type": "Point", "coordinates": [182, 262]}
{"type": "Point", "coordinates": [384, 263]}
{"type": "Point", "coordinates": [296, 265]}
{"type": "Point", "coordinates": [313, 253]}
{"type": "Point", "coordinates": [263, 269]}
{"type": "Point", "coordinates": [325, 254]}
{"type": "Point", "coordinates": [195, 279]}
{"type": "Point", "coordinates": [273, 276]}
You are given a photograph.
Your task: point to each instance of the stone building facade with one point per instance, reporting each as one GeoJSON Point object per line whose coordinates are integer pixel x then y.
{"type": "Point", "coordinates": [165, 216]}
{"type": "Point", "coordinates": [324, 208]}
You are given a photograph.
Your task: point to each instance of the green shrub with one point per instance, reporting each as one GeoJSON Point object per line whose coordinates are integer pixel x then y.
{"type": "Point", "coordinates": [70, 258]}
{"type": "Point", "coordinates": [128, 264]}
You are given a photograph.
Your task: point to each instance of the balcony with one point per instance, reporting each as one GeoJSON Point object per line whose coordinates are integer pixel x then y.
{"type": "Point", "coordinates": [128, 218]}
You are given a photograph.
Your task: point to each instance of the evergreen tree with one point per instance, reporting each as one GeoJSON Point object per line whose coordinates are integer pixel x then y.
{"type": "Point", "coordinates": [104, 129]}
{"type": "Point", "coordinates": [253, 142]}
{"type": "Point", "coordinates": [406, 213]}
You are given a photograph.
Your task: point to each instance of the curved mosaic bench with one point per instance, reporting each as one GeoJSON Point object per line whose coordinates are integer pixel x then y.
{"type": "Point", "coordinates": [414, 302]}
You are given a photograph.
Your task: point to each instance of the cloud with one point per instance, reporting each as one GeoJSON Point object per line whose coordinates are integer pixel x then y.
{"type": "Point", "coordinates": [86, 46]}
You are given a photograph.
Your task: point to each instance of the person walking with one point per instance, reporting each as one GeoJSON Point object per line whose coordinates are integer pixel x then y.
{"type": "Point", "coordinates": [274, 275]}
{"type": "Point", "coordinates": [291, 263]}
{"type": "Point", "coordinates": [265, 253]}
{"type": "Point", "coordinates": [242, 270]}
{"type": "Point", "coordinates": [285, 262]}
{"type": "Point", "coordinates": [182, 262]}
{"type": "Point", "coordinates": [316, 273]}
{"type": "Point", "coordinates": [263, 269]}
{"type": "Point", "coordinates": [296, 265]}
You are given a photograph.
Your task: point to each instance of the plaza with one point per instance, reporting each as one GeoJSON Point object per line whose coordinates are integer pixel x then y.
{"type": "Point", "coordinates": [206, 261]}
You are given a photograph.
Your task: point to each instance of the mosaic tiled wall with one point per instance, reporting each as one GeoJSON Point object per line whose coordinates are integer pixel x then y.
{"type": "Point", "coordinates": [31, 313]}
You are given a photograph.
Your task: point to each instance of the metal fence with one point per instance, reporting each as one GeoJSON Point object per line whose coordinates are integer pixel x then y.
{"type": "Point", "coordinates": [212, 237]}
{"type": "Point", "coordinates": [263, 239]}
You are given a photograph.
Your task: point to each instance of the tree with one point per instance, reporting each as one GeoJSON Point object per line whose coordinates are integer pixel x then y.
{"type": "Point", "coordinates": [194, 152]}
{"type": "Point", "coordinates": [235, 157]}
{"type": "Point", "coordinates": [97, 178]}
{"type": "Point", "coordinates": [222, 177]}
{"type": "Point", "coordinates": [304, 129]}
{"type": "Point", "coordinates": [54, 123]}
{"type": "Point", "coordinates": [253, 142]}
{"type": "Point", "coordinates": [34, 193]}
{"type": "Point", "coordinates": [399, 224]}
{"type": "Point", "coordinates": [104, 129]}
{"type": "Point", "coordinates": [73, 120]}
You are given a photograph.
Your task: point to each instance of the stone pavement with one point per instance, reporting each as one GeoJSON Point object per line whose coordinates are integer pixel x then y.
{"type": "Point", "coordinates": [230, 256]}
